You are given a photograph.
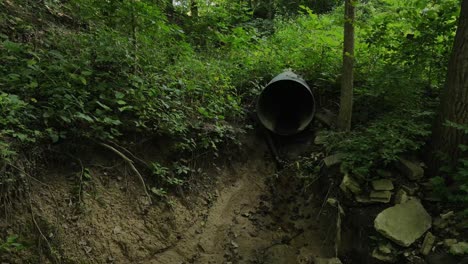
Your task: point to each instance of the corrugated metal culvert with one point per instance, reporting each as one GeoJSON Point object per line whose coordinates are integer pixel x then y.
{"type": "Point", "coordinates": [286, 105]}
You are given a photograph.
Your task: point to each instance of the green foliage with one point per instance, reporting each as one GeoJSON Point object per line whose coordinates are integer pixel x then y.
{"type": "Point", "coordinates": [99, 82]}
{"type": "Point", "coordinates": [410, 39]}
{"type": "Point", "coordinates": [11, 243]}
{"type": "Point", "coordinates": [14, 113]}
{"type": "Point", "coordinates": [103, 69]}
{"type": "Point", "coordinates": [381, 142]}
{"type": "Point", "coordinates": [168, 177]}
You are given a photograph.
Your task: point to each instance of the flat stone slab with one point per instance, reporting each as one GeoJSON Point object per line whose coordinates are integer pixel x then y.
{"type": "Point", "coordinates": [403, 223]}
{"type": "Point", "coordinates": [411, 169]}
{"type": "Point", "coordinates": [382, 185]}
{"type": "Point", "coordinates": [380, 196]}
{"type": "Point", "coordinates": [333, 159]}
{"type": "Point", "coordinates": [350, 184]}
{"type": "Point", "coordinates": [428, 243]}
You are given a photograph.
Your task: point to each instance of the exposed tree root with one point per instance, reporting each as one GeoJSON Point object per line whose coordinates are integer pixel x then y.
{"type": "Point", "coordinates": [132, 166]}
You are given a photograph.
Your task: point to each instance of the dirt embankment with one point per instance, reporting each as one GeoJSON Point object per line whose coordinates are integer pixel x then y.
{"type": "Point", "coordinates": [245, 213]}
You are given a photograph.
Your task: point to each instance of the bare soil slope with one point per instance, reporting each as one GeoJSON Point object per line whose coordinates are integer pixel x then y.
{"type": "Point", "coordinates": [244, 215]}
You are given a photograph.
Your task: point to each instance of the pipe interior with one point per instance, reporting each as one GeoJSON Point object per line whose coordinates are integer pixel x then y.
{"type": "Point", "coordinates": [286, 107]}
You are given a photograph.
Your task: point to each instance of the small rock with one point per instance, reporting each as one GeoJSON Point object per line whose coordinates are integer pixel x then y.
{"type": "Point", "coordinates": [411, 189]}
{"type": "Point", "coordinates": [234, 244]}
{"type": "Point", "coordinates": [382, 257]}
{"type": "Point", "coordinates": [320, 139]}
{"type": "Point", "coordinates": [449, 242]}
{"type": "Point", "coordinates": [415, 260]}
{"type": "Point", "coordinates": [411, 169]}
{"type": "Point", "coordinates": [385, 248]}
{"type": "Point", "coordinates": [428, 242]}
{"type": "Point", "coordinates": [440, 223]}
{"type": "Point", "coordinates": [447, 215]}
{"type": "Point", "coordinates": [117, 230]}
{"type": "Point", "coordinates": [380, 196]}
{"type": "Point", "coordinates": [382, 185]}
{"type": "Point", "coordinates": [201, 247]}
{"type": "Point", "coordinates": [349, 184]}
{"type": "Point", "coordinates": [245, 215]}
{"type": "Point", "coordinates": [385, 253]}
{"type": "Point", "coordinates": [363, 199]}
{"type": "Point", "coordinates": [401, 196]}
{"type": "Point", "coordinates": [403, 223]}
{"type": "Point", "coordinates": [87, 249]}
{"type": "Point", "coordinates": [460, 248]}
{"type": "Point", "coordinates": [333, 159]}
{"type": "Point", "coordinates": [327, 261]}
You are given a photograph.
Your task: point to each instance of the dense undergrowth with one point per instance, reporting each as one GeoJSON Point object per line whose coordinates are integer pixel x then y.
{"type": "Point", "coordinates": [99, 70]}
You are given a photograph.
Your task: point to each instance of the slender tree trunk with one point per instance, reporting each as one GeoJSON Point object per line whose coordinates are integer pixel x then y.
{"type": "Point", "coordinates": [169, 10]}
{"type": "Point", "coordinates": [194, 8]}
{"type": "Point", "coordinates": [134, 37]}
{"type": "Point", "coordinates": [346, 98]}
{"type": "Point", "coordinates": [454, 99]}
{"type": "Point", "coordinates": [271, 9]}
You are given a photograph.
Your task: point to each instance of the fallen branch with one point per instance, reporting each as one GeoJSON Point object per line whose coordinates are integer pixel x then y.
{"type": "Point", "coordinates": [132, 166]}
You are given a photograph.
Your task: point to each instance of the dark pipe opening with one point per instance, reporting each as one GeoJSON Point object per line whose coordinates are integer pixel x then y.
{"type": "Point", "coordinates": [286, 106]}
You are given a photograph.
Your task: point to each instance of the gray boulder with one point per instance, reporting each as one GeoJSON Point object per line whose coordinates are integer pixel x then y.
{"type": "Point", "coordinates": [403, 223]}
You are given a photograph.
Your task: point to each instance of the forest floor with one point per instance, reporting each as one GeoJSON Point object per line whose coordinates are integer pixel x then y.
{"type": "Point", "coordinates": [241, 211]}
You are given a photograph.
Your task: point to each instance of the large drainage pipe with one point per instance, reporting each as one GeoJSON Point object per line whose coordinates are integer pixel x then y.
{"type": "Point", "coordinates": [286, 106]}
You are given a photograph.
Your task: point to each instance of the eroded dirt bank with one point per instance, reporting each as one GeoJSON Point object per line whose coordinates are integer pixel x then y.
{"type": "Point", "coordinates": [243, 212]}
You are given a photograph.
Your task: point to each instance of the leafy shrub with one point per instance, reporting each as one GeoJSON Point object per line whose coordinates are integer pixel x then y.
{"type": "Point", "coordinates": [11, 243]}
{"type": "Point", "coordinates": [14, 115]}
{"type": "Point", "coordinates": [381, 142]}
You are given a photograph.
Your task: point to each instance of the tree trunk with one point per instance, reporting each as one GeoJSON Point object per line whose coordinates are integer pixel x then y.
{"type": "Point", "coordinates": [193, 8]}
{"type": "Point", "coordinates": [134, 37]}
{"type": "Point", "coordinates": [169, 9]}
{"type": "Point", "coordinates": [271, 9]}
{"type": "Point", "coordinates": [346, 98]}
{"type": "Point", "coordinates": [454, 99]}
